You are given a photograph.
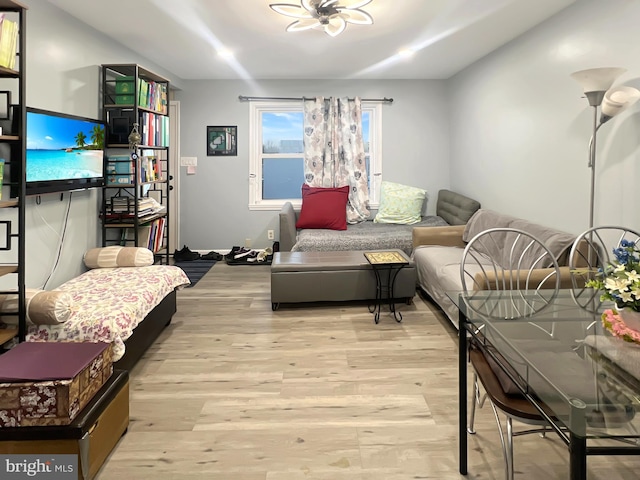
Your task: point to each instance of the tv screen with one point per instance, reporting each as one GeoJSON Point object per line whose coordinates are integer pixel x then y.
{"type": "Point", "coordinates": [64, 152]}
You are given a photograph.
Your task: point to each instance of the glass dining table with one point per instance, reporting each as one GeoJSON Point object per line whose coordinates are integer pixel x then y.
{"type": "Point", "coordinates": [552, 344]}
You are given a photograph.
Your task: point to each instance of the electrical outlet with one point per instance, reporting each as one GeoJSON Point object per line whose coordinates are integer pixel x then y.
{"type": "Point", "coordinates": [247, 243]}
{"type": "Point", "coordinates": [270, 235]}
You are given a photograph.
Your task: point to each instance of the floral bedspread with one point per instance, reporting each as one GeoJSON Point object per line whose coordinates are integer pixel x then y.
{"type": "Point", "coordinates": [108, 303]}
{"type": "Point", "coordinates": [363, 236]}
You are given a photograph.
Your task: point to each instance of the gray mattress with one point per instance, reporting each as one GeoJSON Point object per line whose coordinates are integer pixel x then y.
{"type": "Point", "coordinates": [363, 236]}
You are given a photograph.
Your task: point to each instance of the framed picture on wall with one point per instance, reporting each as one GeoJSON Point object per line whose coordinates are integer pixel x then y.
{"type": "Point", "coordinates": [222, 141]}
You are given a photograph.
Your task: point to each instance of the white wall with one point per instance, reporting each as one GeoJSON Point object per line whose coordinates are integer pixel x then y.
{"type": "Point", "coordinates": [63, 74]}
{"type": "Point", "coordinates": [520, 127]}
{"type": "Point", "coordinates": [214, 202]}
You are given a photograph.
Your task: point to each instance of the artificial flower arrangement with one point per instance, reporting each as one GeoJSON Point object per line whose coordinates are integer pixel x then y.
{"type": "Point", "coordinates": [620, 283]}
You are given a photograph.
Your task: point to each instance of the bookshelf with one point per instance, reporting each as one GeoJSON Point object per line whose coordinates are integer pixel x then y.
{"type": "Point", "coordinates": [12, 155]}
{"type": "Point", "coordinates": [135, 201]}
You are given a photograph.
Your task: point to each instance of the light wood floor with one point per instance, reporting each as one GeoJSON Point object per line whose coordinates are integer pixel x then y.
{"type": "Point", "coordinates": [235, 391]}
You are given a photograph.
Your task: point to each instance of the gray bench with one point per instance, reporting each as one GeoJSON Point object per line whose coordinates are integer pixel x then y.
{"type": "Point", "coordinates": [332, 276]}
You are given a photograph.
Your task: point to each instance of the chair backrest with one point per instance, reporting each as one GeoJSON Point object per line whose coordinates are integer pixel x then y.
{"type": "Point", "coordinates": [591, 251]}
{"type": "Point", "coordinates": [516, 265]}
{"type": "Point", "coordinates": [508, 259]}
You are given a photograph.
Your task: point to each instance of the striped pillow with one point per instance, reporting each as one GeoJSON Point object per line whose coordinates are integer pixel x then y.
{"type": "Point", "coordinates": [116, 256]}
{"type": "Point", "coordinates": [43, 307]}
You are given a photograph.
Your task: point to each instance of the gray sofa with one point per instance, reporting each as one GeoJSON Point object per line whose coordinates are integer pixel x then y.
{"type": "Point", "coordinates": [438, 252]}
{"type": "Point", "coordinates": [451, 209]}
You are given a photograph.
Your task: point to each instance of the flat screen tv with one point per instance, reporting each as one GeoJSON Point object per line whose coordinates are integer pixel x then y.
{"type": "Point", "coordinates": [64, 152]}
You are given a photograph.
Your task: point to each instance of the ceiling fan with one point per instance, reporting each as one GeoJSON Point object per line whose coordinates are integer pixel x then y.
{"type": "Point", "coordinates": [330, 15]}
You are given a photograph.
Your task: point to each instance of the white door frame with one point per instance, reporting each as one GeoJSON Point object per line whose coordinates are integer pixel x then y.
{"type": "Point", "coordinates": [174, 168]}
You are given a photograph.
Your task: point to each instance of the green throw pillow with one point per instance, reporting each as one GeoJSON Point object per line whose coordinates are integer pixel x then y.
{"type": "Point", "coordinates": [400, 204]}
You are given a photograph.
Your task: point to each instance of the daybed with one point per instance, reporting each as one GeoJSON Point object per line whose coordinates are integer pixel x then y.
{"type": "Point", "coordinates": [452, 209]}
{"type": "Point", "coordinates": [438, 253]}
{"type": "Point", "coordinates": [123, 299]}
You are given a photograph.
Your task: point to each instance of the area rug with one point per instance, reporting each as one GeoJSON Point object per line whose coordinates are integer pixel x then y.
{"type": "Point", "coordinates": [195, 269]}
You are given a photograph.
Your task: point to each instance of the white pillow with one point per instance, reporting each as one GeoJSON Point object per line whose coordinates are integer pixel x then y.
{"type": "Point", "coordinates": [400, 204]}
{"type": "Point", "coordinates": [117, 256]}
{"type": "Point", "coordinates": [43, 307]}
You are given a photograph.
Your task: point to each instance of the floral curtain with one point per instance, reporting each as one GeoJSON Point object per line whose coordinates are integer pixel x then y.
{"type": "Point", "coordinates": [334, 150]}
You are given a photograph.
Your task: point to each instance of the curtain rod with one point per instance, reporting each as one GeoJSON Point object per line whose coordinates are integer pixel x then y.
{"type": "Point", "coordinates": [243, 98]}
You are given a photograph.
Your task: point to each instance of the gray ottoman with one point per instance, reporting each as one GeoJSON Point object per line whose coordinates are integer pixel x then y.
{"type": "Point", "coordinates": [332, 276]}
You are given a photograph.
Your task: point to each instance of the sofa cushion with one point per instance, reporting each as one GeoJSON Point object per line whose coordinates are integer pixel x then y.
{"type": "Point", "coordinates": [454, 208]}
{"type": "Point", "coordinates": [484, 219]}
{"type": "Point", "coordinates": [324, 208]}
{"type": "Point", "coordinates": [556, 241]}
{"type": "Point", "coordinates": [117, 256]}
{"type": "Point", "coordinates": [400, 204]}
{"type": "Point", "coordinates": [43, 307]}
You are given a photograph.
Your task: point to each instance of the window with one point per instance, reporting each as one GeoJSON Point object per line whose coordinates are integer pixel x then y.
{"type": "Point", "coordinates": [276, 167]}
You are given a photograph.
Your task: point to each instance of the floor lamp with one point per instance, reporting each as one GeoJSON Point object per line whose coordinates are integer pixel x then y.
{"type": "Point", "coordinates": [596, 83]}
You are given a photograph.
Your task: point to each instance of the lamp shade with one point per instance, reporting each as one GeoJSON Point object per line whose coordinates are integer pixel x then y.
{"type": "Point", "coordinates": [617, 100]}
{"type": "Point", "coordinates": [597, 79]}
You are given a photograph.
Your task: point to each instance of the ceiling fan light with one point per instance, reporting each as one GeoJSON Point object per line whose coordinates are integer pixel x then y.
{"type": "Point", "coordinates": [353, 4]}
{"type": "Point", "coordinates": [335, 26]}
{"type": "Point", "coordinates": [332, 15]}
{"type": "Point", "coordinates": [290, 10]}
{"type": "Point", "coordinates": [303, 24]}
{"type": "Point", "coordinates": [357, 17]}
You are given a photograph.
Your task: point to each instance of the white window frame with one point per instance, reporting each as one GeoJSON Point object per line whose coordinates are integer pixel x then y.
{"type": "Point", "coordinates": [257, 108]}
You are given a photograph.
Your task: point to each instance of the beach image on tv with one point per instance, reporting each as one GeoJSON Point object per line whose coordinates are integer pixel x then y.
{"type": "Point", "coordinates": [62, 148]}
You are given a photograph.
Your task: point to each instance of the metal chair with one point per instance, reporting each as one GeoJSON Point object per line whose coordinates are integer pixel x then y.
{"type": "Point", "coordinates": [591, 251]}
{"type": "Point", "coordinates": [518, 265]}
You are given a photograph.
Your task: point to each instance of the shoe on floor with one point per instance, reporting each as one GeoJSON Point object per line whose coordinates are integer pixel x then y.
{"type": "Point", "coordinates": [212, 256]}
{"type": "Point", "coordinates": [185, 255]}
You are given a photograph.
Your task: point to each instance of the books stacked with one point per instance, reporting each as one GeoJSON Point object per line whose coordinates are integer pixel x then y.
{"type": "Point", "coordinates": [8, 42]}
{"type": "Point", "coordinates": [124, 207]}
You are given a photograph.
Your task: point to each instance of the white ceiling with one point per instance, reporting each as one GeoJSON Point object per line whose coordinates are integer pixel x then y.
{"type": "Point", "coordinates": [183, 36]}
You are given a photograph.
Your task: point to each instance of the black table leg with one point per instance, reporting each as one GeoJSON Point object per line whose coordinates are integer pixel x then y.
{"type": "Point", "coordinates": [577, 457]}
{"type": "Point", "coordinates": [462, 393]}
{"type": "Point", "coordinates": [375, 309]}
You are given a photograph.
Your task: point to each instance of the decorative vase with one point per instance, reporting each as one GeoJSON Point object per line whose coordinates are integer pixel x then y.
{"type": "Point", "coordinates": [631, 318]}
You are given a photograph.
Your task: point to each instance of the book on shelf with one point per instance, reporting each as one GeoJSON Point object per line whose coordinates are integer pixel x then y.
{"type": "Point", "coordinates": [150, 235]}
{"type": "Point", "coordinates": [119, 170]}
{"type": "Point", "coordinates": [148, 168]}
{"type": "Point", "coordinates": [8, 42]}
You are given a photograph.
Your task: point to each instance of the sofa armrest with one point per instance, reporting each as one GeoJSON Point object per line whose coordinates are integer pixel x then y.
{"type": "Point", "coordinates": [287, 225]}
{"type": "Point", "coordinates": [449, 236]}
{"type": "Point", "coordinates": [487, 280]}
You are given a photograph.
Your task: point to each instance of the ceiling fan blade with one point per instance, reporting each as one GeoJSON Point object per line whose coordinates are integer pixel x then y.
{"type": "Point", "coordinates": [303, 24]}
{"type": "Point", "coordinates": [352, 4]}
{"type": "Point", "coordinates": [310, 5]}
{"type": "Point", "coordinates": [290, 10]}
{"type": "Point", "coordinates": [356, 16]}
{"type": "Point", "coordinates": [335, 26]}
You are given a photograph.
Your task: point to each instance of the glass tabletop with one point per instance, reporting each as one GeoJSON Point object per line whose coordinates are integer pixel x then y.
{"type": "Point", "coordinates": [563, 356]}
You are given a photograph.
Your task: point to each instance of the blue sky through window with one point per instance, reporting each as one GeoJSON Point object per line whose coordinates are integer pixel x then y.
{"type": "Point", "coordinates": [282, 133]}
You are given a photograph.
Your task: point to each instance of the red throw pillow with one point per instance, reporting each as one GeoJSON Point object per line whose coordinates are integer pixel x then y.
{"type": "Point", "coordinates": [323, 208]}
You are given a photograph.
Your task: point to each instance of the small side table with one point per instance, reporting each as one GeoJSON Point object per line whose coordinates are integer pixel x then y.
{"type": "Point", "coordinates": [386, 266]}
